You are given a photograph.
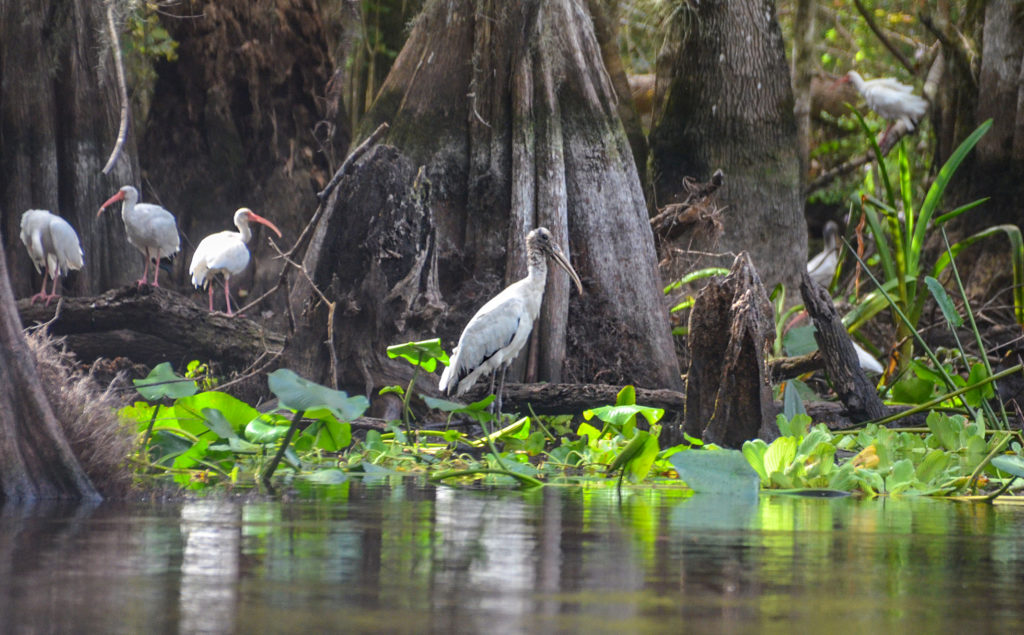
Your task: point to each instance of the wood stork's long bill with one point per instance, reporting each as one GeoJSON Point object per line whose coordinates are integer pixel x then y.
{"type": "Point", "coordinates": [500, 329]}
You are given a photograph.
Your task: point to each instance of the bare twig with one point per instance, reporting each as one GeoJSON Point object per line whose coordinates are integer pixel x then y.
{"type": "Point", "coordinates": [882, 37]}
{"type": "Point", "coordinates": [122, 89]}
{"type": "Point", "coordinates": [352, 157]}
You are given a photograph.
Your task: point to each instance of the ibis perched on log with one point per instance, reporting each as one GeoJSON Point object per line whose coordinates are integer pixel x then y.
{"type": "Point", "coordinates": [52, 245]}
{"type": "Point", "coordinates": [150, 228]}
{"type": "Point", "coordinates": [226, 253]}
{"type": "Point", "coordinates": [890, 99]}
{"type": "Point", "coordinates": [500, 329]}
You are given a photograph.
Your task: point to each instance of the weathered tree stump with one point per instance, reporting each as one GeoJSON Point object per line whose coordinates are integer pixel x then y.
{"type": "Point", "coordinates": [728, 389]}
{"type": "Point", "coordinates": [150, 325]}
{"type": "Point", "coordinates": [844, 372]}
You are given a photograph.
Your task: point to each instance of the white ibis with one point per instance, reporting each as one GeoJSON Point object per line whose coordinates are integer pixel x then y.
{"type": "Point", "coordinates": [225, 253]}
{"type": "Point", "coordinates": [52, 245]}
{"type": "Point", "coordinates": [891, 99]}
{"type": "Point", "coordinates": [822, 267]}
{"type": "Point", "coordinates": [500, 329]}
{"type": "Point", "coordinates": [150, 228]}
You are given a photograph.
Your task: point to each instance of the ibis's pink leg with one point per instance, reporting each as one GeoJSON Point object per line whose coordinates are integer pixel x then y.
{"type": "Point", "coordinates": [227, 293]}
{"type": "Point", "coordinates": [42, 292]}
{"type": "Point", "coordinates": [53, 291]}
{"type": "Point", "coordinates": [156, 273]}
{"type": "Point", "coordinates": [210, 287]}
{"type": "Point", "coordinates": [145, 272]}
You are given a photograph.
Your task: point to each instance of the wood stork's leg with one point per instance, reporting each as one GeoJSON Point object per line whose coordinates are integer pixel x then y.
{"type": "Point", "coordinates": [227, 293]}
{"type": "Point", "coordinates": [501, 388]}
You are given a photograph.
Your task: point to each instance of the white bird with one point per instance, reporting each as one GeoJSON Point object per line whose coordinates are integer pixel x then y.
{"type": "Point", "coordinates": [499, 330]}
{"type": "Point", "coordinates": [822, 267]}
{"type": "Point", "coordinates": [891, 99]}
{"type": "Point", "coordinates": [867, 361]}
{"type": "Point", "coordinates": [52, 245]}
{"type": "Point", "coordinates": [150, 228]}
{"type": "Point", "coordinates": [225, 253]}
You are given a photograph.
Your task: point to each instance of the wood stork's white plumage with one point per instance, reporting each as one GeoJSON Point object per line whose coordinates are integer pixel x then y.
{"type": "Point", "coordinates": [497, 333]}
{"type": "Point", "coordinates": [52, 245]}
{"type": "Point", "coordinates": [150, 228]}
{"type": "Point", "coordinates": [891, 99]}
{"type": "Point", "coordinates": [225, 253]}
{"type": "Point", "coordinates": [822, 267]}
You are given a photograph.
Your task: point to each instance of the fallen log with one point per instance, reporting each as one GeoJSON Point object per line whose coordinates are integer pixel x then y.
{"type": "Point", "coordinates": [150, 325]}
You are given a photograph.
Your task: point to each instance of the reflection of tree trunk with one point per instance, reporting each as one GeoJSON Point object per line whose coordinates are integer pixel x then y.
{"type": "Point", "coordinates": [35, 458]}
{"type": "Point", "coordinates": [536, 142]}
{"type": "Point", "coordinates": [726, 102]}
{"type": "Point", "coordinates": [58, 122]}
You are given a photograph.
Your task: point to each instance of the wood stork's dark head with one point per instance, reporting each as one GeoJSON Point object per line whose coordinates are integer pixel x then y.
{"type": "Point", "coordinates": [542, 242]}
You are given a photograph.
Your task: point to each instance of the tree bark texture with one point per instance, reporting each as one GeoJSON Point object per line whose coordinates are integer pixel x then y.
{"type": "Point", "coordinates": [724, 101]}
{"type": "Point", "coordinates": [36, 461]}
{"type": "Point", "coordinates": [502, 119]}
{"type": "Point", "coordinates": [232, 119]}
{"type": "Point", "coordinates": [848, 380]}
{"type": "Point", "coordinates": [999, 155]}
{"type": "Point", "coordinates": [728, 385]}
{"type": "Point", "coordinates": [58, 123]}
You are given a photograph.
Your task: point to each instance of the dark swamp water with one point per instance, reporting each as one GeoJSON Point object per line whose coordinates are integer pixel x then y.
{"type": "Point", "coordinates": [396, 556]}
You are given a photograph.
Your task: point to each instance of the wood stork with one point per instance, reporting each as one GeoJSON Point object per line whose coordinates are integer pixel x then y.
{"type": "Point", "coordinates": [225, 253]}
{"type": "Point", "coordinates": [822, 267]}
{"type": "Point", "coordinates": [891, 99]}
{"type": "Point", "coordinates": [150, 228]}
{"type": "Point", "coordinates": [52, 245]}
{"type": "Point", "coordinates": [494, 336]}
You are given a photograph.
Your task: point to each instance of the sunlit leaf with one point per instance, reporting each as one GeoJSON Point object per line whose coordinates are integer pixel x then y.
{"type": "Point", "coordinates": [425, 354]}
{"type": "Point", "coordinates": [1009, 463]}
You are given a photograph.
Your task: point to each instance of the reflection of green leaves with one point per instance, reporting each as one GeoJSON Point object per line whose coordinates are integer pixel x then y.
{"type": "Point", "coordinates": [425, 354]}
{"type": "Point", "coordinates": [162, 382]}
{"type": "Point", "coordinates": [299, 394]}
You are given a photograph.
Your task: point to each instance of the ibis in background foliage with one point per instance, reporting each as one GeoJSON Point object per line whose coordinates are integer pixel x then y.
{"type": "Point", "coordinates": [225, 253]}
{"type": "Point", "coordinates": [500, 329]}
{"type": "Point", "coordinates": [52, 245]}
{"type": "Point", "coordinates": [150, 228]}
{"type": "Point", "coordinates": [822, 267]}
{"type": "Point", "coordinates": [891, 99]}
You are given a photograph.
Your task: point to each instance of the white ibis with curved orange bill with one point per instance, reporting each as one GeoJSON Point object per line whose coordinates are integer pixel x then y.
{"type": "Point", "coordinates": [500, 329]}
{"type": "Point", "coordinates": [225, 253]}
{"type": "Point", "coordinates": [150, 228]}
{"type": "Point", "coordinates": [52, 245]}
{"type": "Point", "coordinates": [893, 100]}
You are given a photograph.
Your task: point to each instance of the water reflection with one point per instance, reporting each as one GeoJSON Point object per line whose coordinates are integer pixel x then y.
{"type": "Point", "coordinates": [402, 557]}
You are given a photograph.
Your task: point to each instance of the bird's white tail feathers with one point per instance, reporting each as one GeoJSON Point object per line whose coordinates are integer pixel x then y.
{"type": "Point", "coordinates": [199, 271]}
{"type": "Point", "coordinates": [67, 248]}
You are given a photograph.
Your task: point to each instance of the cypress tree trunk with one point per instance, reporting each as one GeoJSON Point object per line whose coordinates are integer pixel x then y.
{"type": "Point", "coordinates": [726, 103]}
{"type": "Point", "coordinates": [58, 123]}
{"type": "Point", "coordinates": [502, 119]}
{"type": "Point", "coordinates": [36, 461]}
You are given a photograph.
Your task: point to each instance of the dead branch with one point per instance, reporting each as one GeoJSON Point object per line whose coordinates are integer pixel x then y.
{"type": "Point", "coordinates": [122, 89]}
